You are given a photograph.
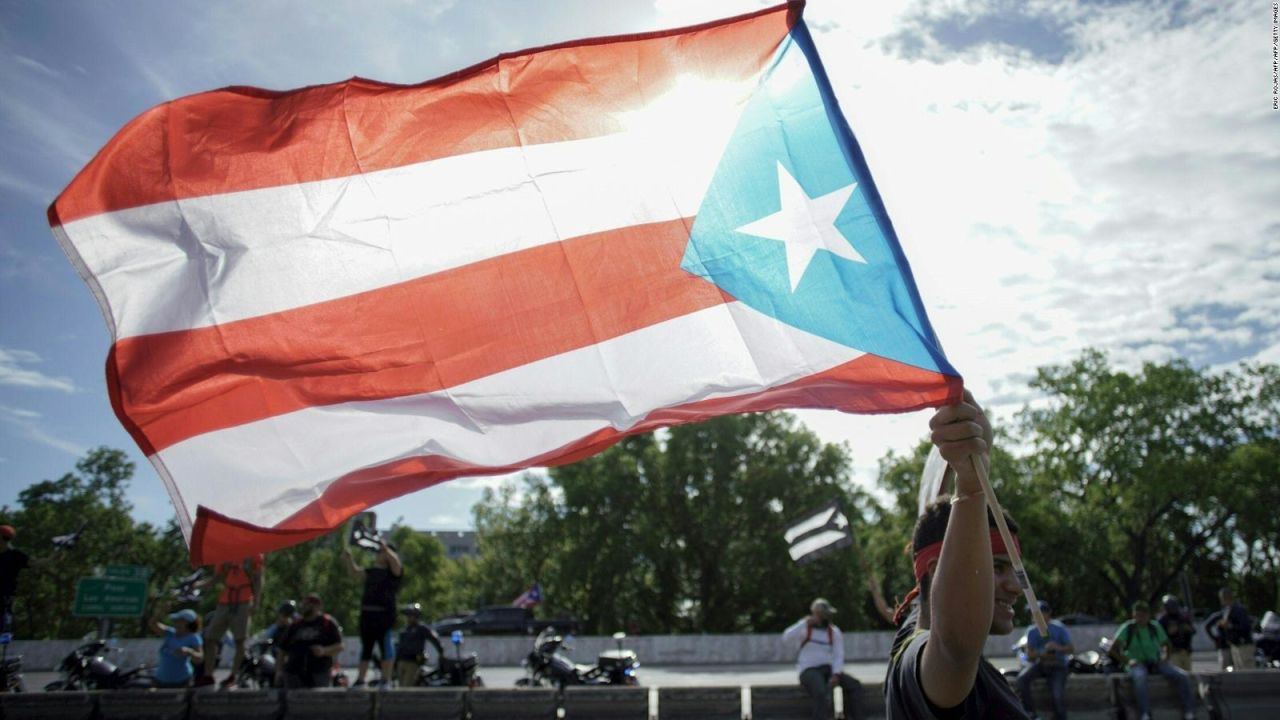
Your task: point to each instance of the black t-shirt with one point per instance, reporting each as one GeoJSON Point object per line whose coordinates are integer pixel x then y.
{"type": "Point", "coordinates": [904, 698]}
{"type": "Point", "coordinates": [413, 642]}
{"type": "Point", "coordinates": [301, 635]}
{"type": "Point", "coordinates": [12, 561]}
{"type": "Point", "coordinates": [1179, 628]}
{"type": "Point", "coordinates": [380, 588]}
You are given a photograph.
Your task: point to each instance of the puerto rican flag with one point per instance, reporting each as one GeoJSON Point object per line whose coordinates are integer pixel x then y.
{"type": "Point", "coordinates": [529, 597]}
{"type": "Point", "coordinates": [324, 298]}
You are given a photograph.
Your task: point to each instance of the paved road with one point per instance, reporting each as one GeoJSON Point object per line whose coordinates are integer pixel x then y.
{"type": "Point", "coordinates": [695, 675]}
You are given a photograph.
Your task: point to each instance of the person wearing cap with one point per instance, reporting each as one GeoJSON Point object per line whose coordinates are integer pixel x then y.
{"type": "Point", "coordinates": [411, 650]}
{"type": "Point", "coordinates": [966, 589]}
{"type": "Point", "coordinates": [1141, 645]}
{"type": "Point", "coordinates": [12, 562]}
{"type": "Point", "coordinates": [1046, 659]}
{"type": "Point", "coordinates": [182, 645]}
{"type": "Point", "coordinates": [305, 652]}
{"type": "Point", "coordinates": [1180, 628]}
{"type": "Point", "coordinates": [819, 647]}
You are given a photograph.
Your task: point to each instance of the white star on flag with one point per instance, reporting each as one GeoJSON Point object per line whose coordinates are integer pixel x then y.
{"type": "Point", "coordinates": [805, 225]}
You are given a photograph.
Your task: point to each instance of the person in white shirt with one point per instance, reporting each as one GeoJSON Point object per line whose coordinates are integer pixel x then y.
{"type": "Point", "coordinates": [819, 647]}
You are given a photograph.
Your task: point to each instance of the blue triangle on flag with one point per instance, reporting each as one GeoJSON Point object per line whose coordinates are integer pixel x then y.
{"type": "Point", "coordinates": [793, 120]}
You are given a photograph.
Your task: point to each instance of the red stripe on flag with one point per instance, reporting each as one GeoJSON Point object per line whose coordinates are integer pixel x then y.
{"type": "Point", "coordinates": [243, 138]}
{"type": "Point", "coordinates": [869, 384]}
{"type": "Point", "coordinates": [414, 337]}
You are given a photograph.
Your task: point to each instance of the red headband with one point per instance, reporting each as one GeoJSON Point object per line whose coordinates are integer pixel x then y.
{"type": "Point", "coordinates": [929, 553]}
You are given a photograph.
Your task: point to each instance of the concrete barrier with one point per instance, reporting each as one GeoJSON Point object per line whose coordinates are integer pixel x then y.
{"type": "Point", "coordinates": [241, 704]}
{"type": "Point", "coordinates": [606, 703]}
{"type": "Point", "coordinates": [778, 702]}
{"type": "Point", "coordinates": [336, 703]}
{"type": "Point", "coordinates": [521, 704]}
{"type": "Point", "coordinates": [422, 704]}
{"type": "Point", "coordinates": [700, 703]}
{"type": "Point", "coordinates": [1161, 692]}
{"type": "Point", "coordinates": [47, 706]}
{"type": "Point", "coordinates": [1087, 697]}
{"type": "Point", "coordinates": [1242, 695]}
{"type": "Point", "coordinates": [142, 704]}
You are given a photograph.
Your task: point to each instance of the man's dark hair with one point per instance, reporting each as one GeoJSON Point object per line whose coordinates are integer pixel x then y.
{"type": "Point", "coordinates": [932, 526]}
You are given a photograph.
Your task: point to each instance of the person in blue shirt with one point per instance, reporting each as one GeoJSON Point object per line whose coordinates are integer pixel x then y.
{"type": "Point", "coordinates": [181, 646]}
{"type": "Point", "coordinates": [1046, 658]}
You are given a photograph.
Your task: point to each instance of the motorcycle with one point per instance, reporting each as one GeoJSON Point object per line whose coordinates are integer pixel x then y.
{"type": "Point", "coordinates": [258, 667]}
{"type": "Point", "coordinates": [1267, 642]}
{"type": "Point", "coordinates": [457, 671]}
{"type": "Point", "coordinates": [87, 668]}
{"type": "Point", "coordinates": [1093, 662]}
{"type": "Point", "coordinates": [547, 664]}
{"type": "Point", "coordinates": [10, 668]}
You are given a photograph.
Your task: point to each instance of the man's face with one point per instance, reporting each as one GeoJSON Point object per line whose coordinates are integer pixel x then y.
{"type": "Point", "coordinates": [1005, 588]}
{"type": "Point", "coordinates": [310, 608]}
{"type": "Point", "coordinates": [1142, 617]}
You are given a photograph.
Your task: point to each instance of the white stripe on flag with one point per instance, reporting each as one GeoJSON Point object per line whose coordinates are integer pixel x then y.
{"type": "Point", "coordinates": [815, 542]}
{"type": "Point", "coordinates": [267, 470]}
{"type": "Point", "coordinates": [817, 520]}
{"type": "Point", "coordinates": [244, 254]}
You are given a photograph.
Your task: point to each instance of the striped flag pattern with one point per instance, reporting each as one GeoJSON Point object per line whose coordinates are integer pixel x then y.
{"type": "Point", "coordinates": [324, 298]}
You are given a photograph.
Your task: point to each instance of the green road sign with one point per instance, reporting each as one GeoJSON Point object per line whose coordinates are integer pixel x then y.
{"type": "Point", "coordinates": [110, 597]}
{"type": "Point", "coordinates": [137, 572]}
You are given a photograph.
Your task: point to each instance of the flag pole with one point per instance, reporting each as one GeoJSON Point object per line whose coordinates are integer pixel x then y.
{"type": "Point", "coordinates": [1015, 556]}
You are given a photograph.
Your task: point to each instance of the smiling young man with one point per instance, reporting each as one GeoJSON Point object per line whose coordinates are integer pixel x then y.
{"type": "Point", "coordinates": [967, 590]}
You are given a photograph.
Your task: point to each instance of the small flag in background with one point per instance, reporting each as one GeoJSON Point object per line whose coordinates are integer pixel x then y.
{"type": "Point", "coordinates": [530, 597]}
{"type": "Point", "coordinates": [324, 298]}
{"type": "Point", "coordinates": [819, 533]}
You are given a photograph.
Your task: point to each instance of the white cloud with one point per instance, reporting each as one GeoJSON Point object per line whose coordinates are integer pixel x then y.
{"type": "Point", "coordinates": [12, 373]}
{"type": "Point", "coordinates": [25, 423]}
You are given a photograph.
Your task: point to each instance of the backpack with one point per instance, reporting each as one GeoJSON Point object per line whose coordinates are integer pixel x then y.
{"type": "Point", "coordinates": [808, 635]}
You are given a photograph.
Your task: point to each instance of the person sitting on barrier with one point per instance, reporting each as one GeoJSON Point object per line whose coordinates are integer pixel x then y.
{"type": "Point", "coordinates": [308, 647]}
{"type": "Point", "coordinates": [1180, 628]}
{"type": "Point", "coordinates": [182, 645]}
{"type": "Point", "coordinates": [1142, 645]}
{"type": "Point", "coordinates": [1047, 659]}
{"type": "Point", "coordinates": [411, 651]}
{"type": "Point", "coordinates": [819, 645]}
{"type": "Point", "coordinates": [966, 589]}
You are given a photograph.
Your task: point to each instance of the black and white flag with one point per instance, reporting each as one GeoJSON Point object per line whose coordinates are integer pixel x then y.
{"type": "Point", "coordinates": [364, 532]}
{"type": "Point", "coordinates": [819, 533]}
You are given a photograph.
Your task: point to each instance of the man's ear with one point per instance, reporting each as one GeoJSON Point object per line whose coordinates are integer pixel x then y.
{"type": "Point", "coordinates": [932, 566]}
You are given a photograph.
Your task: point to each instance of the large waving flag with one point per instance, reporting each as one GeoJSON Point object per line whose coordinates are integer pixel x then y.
{"type": "Point", "coordinates": [324, 298]}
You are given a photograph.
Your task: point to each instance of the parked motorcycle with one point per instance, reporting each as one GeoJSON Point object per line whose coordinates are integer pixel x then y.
{"type": "Point", "coordinates": [10, 667]}
{"type": "Point", "coordinates": [87, 668]}
{"type": "Point", "coordinates": [1267, 642]}
{"type": "Point", "coordinates": [549, 663]}
{"type": "Point", "coordinates": [258, 667]}
{"type": "Point", "coordinates": [1093, 662]}
{"type": "Point", "coordinates": [457, 671]}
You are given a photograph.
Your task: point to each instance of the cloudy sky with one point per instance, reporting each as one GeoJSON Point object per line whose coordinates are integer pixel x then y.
{"type": "Point", "coordinates": [1061, 173]}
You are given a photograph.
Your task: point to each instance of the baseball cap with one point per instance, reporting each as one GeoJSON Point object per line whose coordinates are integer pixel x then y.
{"type": "Point", "coordinates": [1045, 606]}
{"type": "Point", "coordinates": [7, 532]}
{"type": "Point", "coordinates": [311, 597]}
{"type": "Point", "coordinates": [188, 615]}
{"type": "Point", "coordinates": [822, 607]}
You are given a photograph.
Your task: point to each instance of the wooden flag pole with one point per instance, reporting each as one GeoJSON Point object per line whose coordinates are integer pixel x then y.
{"type": "Point", "coordinates": [1015, 556]}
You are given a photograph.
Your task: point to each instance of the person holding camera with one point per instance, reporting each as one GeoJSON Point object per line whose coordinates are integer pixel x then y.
{"type": "Point", "coordinates": [1144, 646]}
{"type": "Point", "coordinates": [819, 647]}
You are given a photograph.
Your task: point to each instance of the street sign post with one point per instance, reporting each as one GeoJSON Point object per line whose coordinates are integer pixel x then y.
{"type": "Point", "coordinates": [110, 597]}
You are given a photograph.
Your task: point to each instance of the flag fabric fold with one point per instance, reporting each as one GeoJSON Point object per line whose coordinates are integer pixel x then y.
{"type": "Point", "coordinates": [324, 298]}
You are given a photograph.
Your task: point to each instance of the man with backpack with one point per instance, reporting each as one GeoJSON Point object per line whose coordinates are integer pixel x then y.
{"type": "Point", "coordinates": [819, 647]}
{"type": "Point", "coordinates": [1142, 645]}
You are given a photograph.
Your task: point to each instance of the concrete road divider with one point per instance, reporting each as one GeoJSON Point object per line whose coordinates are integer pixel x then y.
{"type": "Point", "coordinates": [47, 706]}
{"type": "Point", "coordinates": [1244, 695]}
{"type": "Point", "coordinates": [236, 705]}
{"type": "Point", "coordinates": [423, 704]}
{"type": "Point", "coordinates": [700, 703]}
{"type": "Point", "coordinates": [142, 704]}
{"type": "Point", "coordinates": [521, 704]}
{"type": "Point", "coordinates": [606, 703]}
{"type": "Point", "coordinates": [325, 703]}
